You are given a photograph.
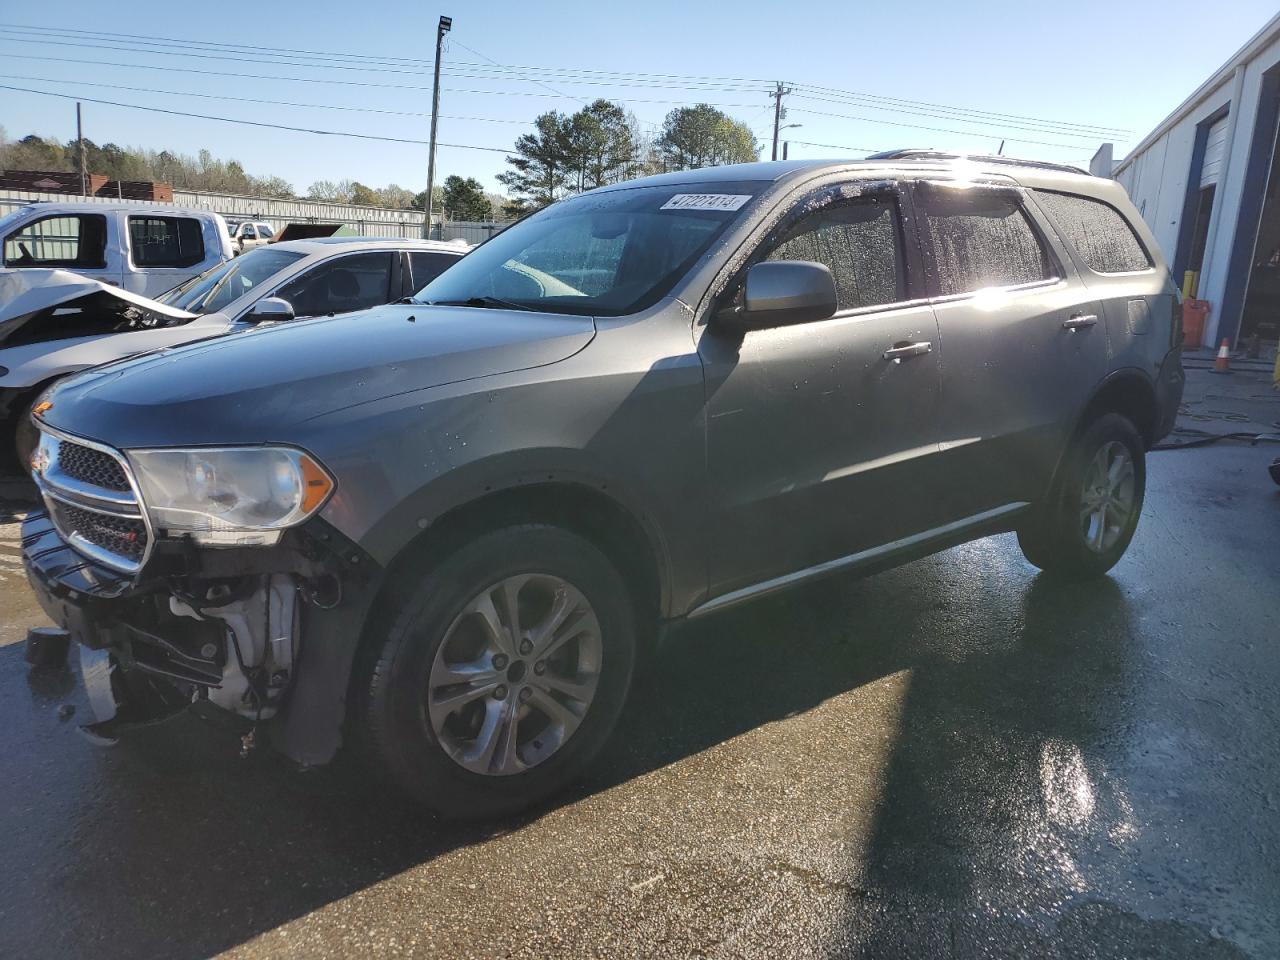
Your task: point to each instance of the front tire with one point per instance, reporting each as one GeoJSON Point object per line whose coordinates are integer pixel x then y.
{"type": "Point", "coordinates": [503, 671]}
{"type": "Point", "coordinates": [1089, 519]}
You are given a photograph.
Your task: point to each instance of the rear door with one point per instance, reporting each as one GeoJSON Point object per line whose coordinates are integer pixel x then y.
{"type": "Point", "coordinates": [818, 444]}
{"type": "Point", "coordinates": [1136, 296]}
{"type": "Point", "coordinates": [162, 252]}
{"type": "Point", "coordinates": [1022, 341]}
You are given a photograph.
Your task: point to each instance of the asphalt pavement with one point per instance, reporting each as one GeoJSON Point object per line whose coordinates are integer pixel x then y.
{"type": "Point", "coordinates": [955, 758]}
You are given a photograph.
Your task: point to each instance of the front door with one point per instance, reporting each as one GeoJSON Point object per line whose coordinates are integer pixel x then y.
{"type": "Point", "coordinates": [85, 243]}
{"type": "Point", "coordinates": [1023, 339]}
{"type": "Point", "coordinates": [817, 442]}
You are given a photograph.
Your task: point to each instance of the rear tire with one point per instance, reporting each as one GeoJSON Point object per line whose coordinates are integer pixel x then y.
{"type": "Point", "coordinates": [474, 721]}
{"type": "Point", "coordinates": [1087, 523]}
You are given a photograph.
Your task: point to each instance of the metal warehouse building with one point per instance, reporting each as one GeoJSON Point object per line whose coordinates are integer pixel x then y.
{"type": "Point", "coordinates": [1206, 183]}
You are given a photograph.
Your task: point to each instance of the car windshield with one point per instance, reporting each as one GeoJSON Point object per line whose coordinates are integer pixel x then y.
{"type": "Point", "coordinates": [605, 254]}
{"type": "Point", "coordinates": [218, 286]}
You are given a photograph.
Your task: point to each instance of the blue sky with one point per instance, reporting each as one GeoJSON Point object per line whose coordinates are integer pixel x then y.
{"type": "Point", "coordinates": [1119, 64]}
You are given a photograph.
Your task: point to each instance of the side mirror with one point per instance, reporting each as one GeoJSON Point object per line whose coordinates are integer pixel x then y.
{"type": "Point", "coordinates": [270, 310]}
{"type": "Point", "coordinates": [781, 292]}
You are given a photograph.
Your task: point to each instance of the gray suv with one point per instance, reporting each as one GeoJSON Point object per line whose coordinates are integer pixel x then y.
{"type": "Point", "coordinates": [443, 531]}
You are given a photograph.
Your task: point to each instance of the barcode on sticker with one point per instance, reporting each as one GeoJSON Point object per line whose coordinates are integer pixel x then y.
{"type": "Point", "coordinates": [706, 201]}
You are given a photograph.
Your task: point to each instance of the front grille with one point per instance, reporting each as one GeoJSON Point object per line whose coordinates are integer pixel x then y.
{"type": "Point", "coordinates": [91, 466]}
{"type": "Point", "coordinates": [91, 501]}
{"type": "Point", "coordinates": [126, 537]}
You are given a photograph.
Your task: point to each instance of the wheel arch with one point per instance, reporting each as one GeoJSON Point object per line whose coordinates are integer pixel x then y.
{"type": "Point", "coordinates": [1129, 392]}
{"type": "Point", "coordinates": [593, 510]}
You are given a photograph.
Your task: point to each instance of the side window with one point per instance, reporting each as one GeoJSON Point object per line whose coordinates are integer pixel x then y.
{"type": "Point", "coordinates": [425, 267]}
{"type": "Point", "coordinates": [59, 241]}
{"type": "Point", "coordinates": [265, 231]}
{"type": "Point", "coordinates": [165, 241]}
{"type": "Point", "coordinates": [860, 241]}
{"type": "Point", "coordinates": [1098, 231]}
{"type": "Point", "coordinates": [981, 238]}
{"type": "Point", "coordinates": [356, 282]}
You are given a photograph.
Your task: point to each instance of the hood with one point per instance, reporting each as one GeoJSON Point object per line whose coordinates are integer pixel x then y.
{"type": "Point", "coordinates": [252, 387]}
{"type": "Point", "coordinates": [25, 293]}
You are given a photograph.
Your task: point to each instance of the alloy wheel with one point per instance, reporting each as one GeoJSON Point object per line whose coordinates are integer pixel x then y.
{"type": "Point", "coordinates": [515, 675]}
{"type": "Point", "coordinates": [1108, 496]}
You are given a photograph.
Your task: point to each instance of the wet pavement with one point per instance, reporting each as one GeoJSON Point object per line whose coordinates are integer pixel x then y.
{"type": "Point", "coordinates": [956, 758]}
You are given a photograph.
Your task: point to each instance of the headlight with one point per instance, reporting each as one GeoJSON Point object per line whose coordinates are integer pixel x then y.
{"type": "Point", "coordinates": [229, 495]}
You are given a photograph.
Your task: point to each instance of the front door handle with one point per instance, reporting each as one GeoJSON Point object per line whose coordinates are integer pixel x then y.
{"type": "Point", "coordinates": [905, 351]}
{"type": "Point", "coordinates": [1080, 320]}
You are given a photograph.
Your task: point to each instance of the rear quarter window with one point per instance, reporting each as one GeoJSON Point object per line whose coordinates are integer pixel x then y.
{"type": "Point", "coordinates": [1098, 232]}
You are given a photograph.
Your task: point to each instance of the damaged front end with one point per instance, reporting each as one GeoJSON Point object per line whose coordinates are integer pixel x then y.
{"type": "Point", "coordinates": [259, 625]}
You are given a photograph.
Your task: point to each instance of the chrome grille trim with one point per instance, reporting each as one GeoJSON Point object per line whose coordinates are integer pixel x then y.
{"type": "Point", "coordinates": [56, 487]}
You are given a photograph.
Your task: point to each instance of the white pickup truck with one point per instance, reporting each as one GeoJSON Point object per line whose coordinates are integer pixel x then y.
{"type": "Point", "coordinates": [143, 248]}
{"type": "Point", "coordinates": [247, 234]}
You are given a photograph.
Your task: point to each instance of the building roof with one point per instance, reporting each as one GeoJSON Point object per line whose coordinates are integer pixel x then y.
{"type": "Point", "coordinates": [1256, 43]}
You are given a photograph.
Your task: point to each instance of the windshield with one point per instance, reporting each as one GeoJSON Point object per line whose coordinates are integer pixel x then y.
{"type": "Point", "coordinates": [218, 286]}
{"type": "Point", "coordinates": [604, 254]}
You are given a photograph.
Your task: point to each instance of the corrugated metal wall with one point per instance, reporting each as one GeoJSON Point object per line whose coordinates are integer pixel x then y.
{"type": "Point", "coordinates": [365, 221]}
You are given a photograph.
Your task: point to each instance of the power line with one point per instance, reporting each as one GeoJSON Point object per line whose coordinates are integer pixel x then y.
{"type": "Point", "coordinates": [943, 106]}
{"type": "Point", "coordinates": [992, 124]}
{"type": "Point", "coordinates": [919, 126]}
{"type": "Point", "coordinates": [345, 83]}
{"type": "Point", "coordinates": [633, 78]}
{"type": "Point", "coordinates": [251, 123]}
{"type": "Point", "coordinates": [835, 146]}
{"type": "Point", "coordinates": [330, 54]}
{"type": "Point", "coordinates": [258, 100]}
{"type": "Point", "coordinates": [538, 82]}
{"type": "Point", "coordinates": [478, 72]}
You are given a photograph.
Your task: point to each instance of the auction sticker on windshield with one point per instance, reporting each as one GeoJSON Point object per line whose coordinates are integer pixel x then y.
{"type": "Point", "coordinates": [706, 201]}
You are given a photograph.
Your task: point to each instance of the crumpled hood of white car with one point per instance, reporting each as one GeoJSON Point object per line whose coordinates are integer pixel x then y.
{"type": "Point", "coordinates": [24, 292]}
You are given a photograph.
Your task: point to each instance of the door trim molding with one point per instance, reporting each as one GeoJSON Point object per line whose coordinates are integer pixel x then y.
{"type": "Point", "coordinates": [862, 557]}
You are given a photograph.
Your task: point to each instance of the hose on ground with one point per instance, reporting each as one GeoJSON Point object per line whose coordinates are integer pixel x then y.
{"type": "Point", "coordinates": [1200, 438]}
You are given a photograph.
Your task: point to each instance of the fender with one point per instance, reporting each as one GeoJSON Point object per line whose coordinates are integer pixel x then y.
{"type": "Point", "coordinates": [511, 471]}
{"type": "Point", "coordinates": [310, 726]}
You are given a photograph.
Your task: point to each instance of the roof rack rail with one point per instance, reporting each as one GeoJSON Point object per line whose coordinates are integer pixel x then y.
{"type": "Point", "coordinates": [910, 153]}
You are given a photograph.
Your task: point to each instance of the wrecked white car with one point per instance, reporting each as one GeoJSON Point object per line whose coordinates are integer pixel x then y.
{"type": "Point", "coordinates": [54, 322]}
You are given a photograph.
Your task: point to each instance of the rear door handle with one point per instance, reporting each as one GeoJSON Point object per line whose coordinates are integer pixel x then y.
{"type": "Point", "coordinates": [1080, 320]}
{"type": "Point", "coordinates": [907, 350]}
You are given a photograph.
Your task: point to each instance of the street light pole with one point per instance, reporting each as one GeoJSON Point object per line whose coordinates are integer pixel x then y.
{"type": "Point", "coordinates": [787, 143]}
{"type": "Point", "coordinates": [446, 24]}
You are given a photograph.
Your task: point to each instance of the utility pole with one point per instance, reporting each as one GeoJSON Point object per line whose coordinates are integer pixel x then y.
{"type": "Point", "coordinates": [446, 24]}
{"type": "Point", "coordinates": [84, 160]}
{"type": "Point", "coordinates": [778, 114]}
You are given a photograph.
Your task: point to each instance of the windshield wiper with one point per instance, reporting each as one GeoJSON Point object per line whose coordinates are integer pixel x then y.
{"type": "Point", "coordinates": [410, 300]}
{"type": "Point", "coordinates": [480, 302]}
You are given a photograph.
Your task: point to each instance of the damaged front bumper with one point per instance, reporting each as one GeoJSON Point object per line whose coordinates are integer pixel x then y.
{"type": "Point", "coordinates": [267, 635]}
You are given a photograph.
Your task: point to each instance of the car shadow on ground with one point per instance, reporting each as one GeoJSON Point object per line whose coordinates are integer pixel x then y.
{"type": "Point", "coordinates": [170, 845]}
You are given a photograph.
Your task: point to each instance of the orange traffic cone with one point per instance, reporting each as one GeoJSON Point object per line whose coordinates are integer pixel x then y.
{"type": "Point", "coordinates": [1223, 362]}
